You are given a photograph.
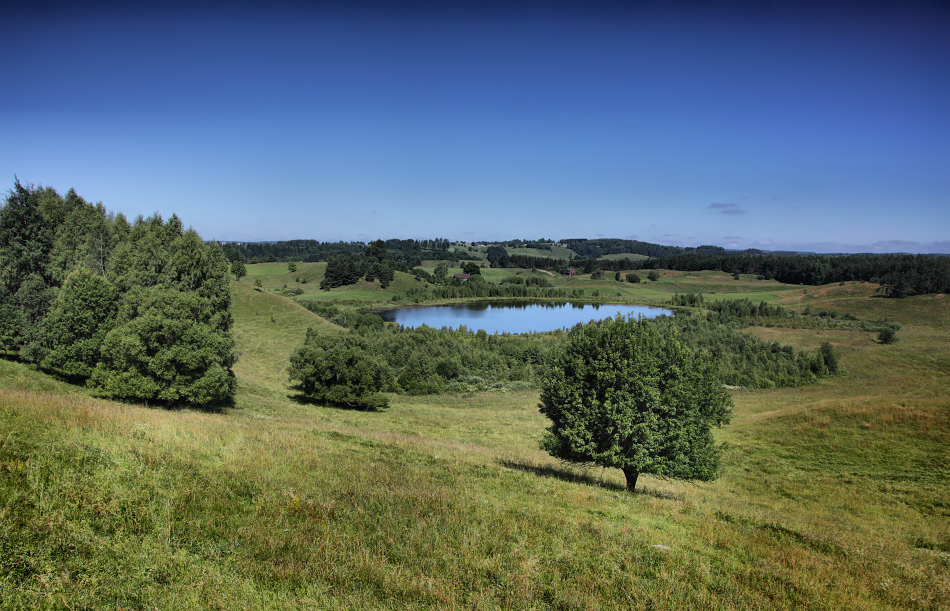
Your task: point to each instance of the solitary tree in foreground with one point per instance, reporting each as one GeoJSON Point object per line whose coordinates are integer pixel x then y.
{"type": "Point", "coordinates": [623, 394]}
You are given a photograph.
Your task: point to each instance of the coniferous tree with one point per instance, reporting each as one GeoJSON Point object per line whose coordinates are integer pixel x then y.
{"type": "Point", "coordinates": [25, 245]}
{"type": "Point", "coordinates": [81, 315]}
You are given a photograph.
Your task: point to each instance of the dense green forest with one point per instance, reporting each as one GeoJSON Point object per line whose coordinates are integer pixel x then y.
{"type": "Point", "coordinates": [138, 310]}
{"type": "Point", "coordinates": [405, 252]}
{"type": "Point", "coordinates": [898, 275]}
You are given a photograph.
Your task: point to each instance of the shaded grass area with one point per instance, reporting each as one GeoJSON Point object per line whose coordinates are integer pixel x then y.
{"type": "Point", "coordinates": [832, 496]}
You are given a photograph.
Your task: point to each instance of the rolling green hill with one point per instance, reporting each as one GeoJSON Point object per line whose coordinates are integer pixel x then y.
{"type": "Point", "coordinates": [833, 496]}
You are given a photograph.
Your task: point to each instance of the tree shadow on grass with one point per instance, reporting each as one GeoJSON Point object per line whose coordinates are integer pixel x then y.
{"type": "Point", "coordinates": [79, 381]}
{"type": "Point", "coordinates": [302, 399]}
{"type": "Point", "coordinates": [216, 407]}
{"type": "Point", "coordinates": [568, 474]}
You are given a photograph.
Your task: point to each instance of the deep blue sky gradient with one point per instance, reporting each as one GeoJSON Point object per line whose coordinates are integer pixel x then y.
{"type": "Point", "coordinates": [776, 125]}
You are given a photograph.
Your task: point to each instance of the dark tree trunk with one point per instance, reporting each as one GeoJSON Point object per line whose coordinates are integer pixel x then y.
{"type": "Point", "coordinates": [631, 475]}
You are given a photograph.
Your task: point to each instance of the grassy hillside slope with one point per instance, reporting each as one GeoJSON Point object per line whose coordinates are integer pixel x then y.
{"type": "Point", "coordinates": [266, 329]}
{"type": "Point", "coordinates": [832, 496]}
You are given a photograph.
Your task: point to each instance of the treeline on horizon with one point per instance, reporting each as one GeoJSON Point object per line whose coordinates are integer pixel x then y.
{"type": "Point", "coordinates": [899, 275]}
{"type": "Point", "coordinates": [406, 253]}
{"type": "Point", "coordinates": [138, 311]}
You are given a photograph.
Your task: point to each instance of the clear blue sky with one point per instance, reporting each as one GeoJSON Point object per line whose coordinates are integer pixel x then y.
{"type": "Point", "coordinates": [793, 126]}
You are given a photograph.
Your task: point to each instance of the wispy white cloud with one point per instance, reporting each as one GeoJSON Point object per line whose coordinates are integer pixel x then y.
{"type": "Point", "coordinates": [727, 208]}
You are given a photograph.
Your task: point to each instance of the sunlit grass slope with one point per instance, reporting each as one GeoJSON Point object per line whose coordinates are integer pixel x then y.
{"type": "Point", "coordinates": [832, 496]}
{"type": "Point", "coordinates": [267, 328]}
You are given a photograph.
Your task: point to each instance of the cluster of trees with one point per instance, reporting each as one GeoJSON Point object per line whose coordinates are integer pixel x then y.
{"type": "Point", "coordinates": [742, 359]}
{"type": "Point", "coordinates": [344, 270]}
{"type": "Point", "coordinates": [401, 251]}
{"type": "Point", "coordinates": [288, 250]}
{"type": "Point", "coordinates": [430, 361]}
{"type": "Point", "coordinates": [595, 249]}
{"type": "Point", "coordinates": [744, 312]}
{"type": "Point", "coordinates": [498, 256]}
{"type": "Point", "coordinates": [539, 244]}
{"type": "Point", "coordinates": [538, 281]}
{"type": "Point", "coordinates": [136, 310]}
{"type": "Point", "coordinates": [477, 287]}
{"type": "Point", "coordinates": [898, 275]}
{"type": "Point", "coordinates": [353, 369]}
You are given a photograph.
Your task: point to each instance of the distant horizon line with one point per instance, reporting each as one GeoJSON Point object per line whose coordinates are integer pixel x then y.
{"type": "Point", "coordinates": [857, 250]}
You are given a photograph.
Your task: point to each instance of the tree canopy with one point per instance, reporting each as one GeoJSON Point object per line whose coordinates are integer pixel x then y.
{"type": "Point", "coordinates": [138, 311]}
{"type": "Point", "coordinates": [340, 370]}
{"type": "Point", "coordinates": [623, 394]}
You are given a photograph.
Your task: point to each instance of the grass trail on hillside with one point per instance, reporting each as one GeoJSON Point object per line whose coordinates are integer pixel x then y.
{"type": "Point", "coordinates": [267, 329]}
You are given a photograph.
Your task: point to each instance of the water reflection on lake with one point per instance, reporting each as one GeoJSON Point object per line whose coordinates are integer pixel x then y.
{"type": "Point", "coordinates": [508, 317]}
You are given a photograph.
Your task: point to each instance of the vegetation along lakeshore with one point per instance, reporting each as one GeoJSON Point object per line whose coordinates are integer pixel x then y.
{"type": "Point", "coordinates": [190, 425]}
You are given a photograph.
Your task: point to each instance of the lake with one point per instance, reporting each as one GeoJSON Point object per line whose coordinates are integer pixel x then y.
{"type": "Point", "coordinates": [507, 317]}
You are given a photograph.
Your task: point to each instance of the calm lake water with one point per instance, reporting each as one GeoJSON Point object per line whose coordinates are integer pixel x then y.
{"type": "Point", "coordinates": [505, 317]}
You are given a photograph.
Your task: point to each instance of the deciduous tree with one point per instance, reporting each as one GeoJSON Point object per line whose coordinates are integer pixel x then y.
{"type": "Point", "coordinates": [441, 269]}
{"type": "Point", "coordinates": [624, 395]}
{"type": "Point", "coordinates": [166, 346]}
{"type": "Point", "coordinates": [341, 371]}
{"type": "Point", "coordinates": [238, 269]}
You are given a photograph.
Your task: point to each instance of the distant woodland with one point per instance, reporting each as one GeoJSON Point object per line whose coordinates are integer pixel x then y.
{"type": "Point", "coordinates": [899, 275]}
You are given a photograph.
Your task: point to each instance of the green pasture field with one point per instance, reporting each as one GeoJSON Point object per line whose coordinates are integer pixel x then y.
{"type": "Point", "coordinates": [556, 252]}
{"type": "Point", "coordinates": [626, 255]}
{"type": "Point", "coordinates": [832, 496]}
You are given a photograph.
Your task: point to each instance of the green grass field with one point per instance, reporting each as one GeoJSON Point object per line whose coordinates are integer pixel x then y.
{"type": "Point", "coordinates": [833, 496]}
{"type": "Point", "coordinates": [556, 252]}
{"type": "Point", "coordinates": [626, 255]}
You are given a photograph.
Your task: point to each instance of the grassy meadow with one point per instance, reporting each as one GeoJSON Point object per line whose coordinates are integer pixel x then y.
{"type": "Point", "coordinates": [832, 496]}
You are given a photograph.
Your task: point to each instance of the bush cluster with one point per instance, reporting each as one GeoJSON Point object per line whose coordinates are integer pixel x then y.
{"type": "Point", "coordinates": [416, 361]}
{"type": "Point", "coordinates": [431, 361]}
{"type": "Point", "coordinates": [745, 360]}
